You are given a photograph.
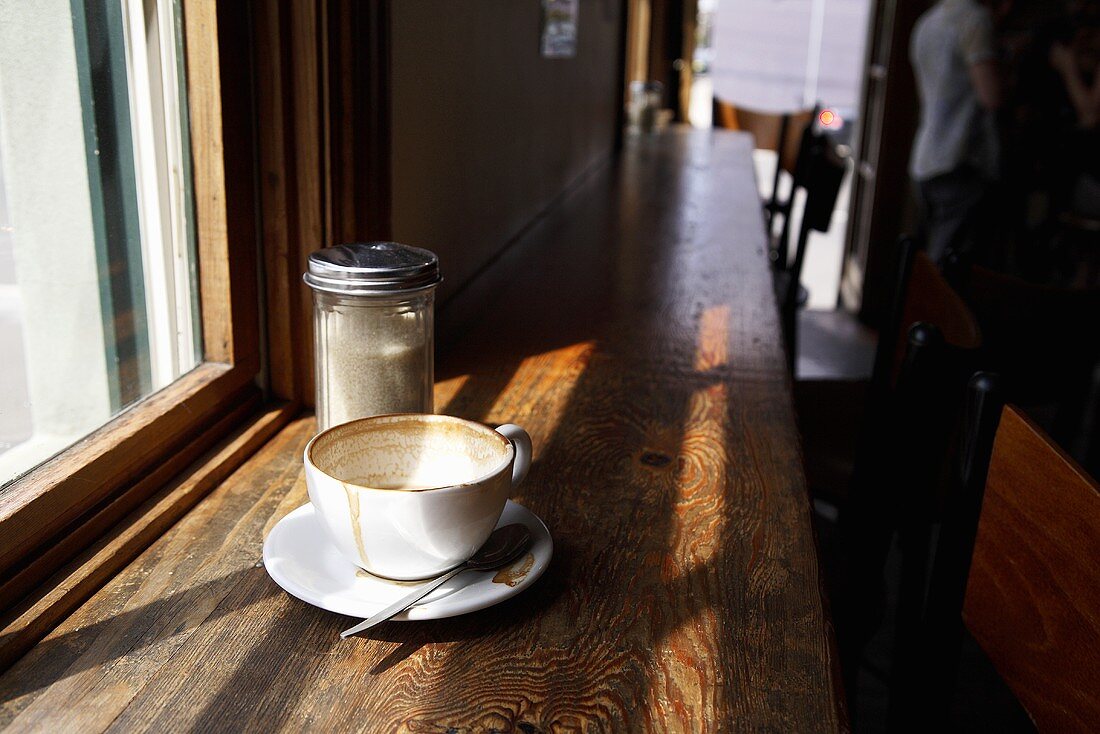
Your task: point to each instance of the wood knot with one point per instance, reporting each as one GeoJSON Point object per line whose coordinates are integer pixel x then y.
{"type": "Point", "coordinates": [655, 459]}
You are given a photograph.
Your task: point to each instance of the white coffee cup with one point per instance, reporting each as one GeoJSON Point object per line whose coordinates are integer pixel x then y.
{"type": "Point", "coordinates": [409, 496]}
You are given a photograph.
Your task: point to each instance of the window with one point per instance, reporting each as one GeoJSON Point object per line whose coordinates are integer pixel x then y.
{"type": "Point", "coordinates": [129, 261]}
{"type": "Point", "coordinates": [98, 279]}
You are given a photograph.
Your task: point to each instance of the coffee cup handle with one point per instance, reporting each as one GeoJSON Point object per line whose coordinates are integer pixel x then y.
{"type": "Point", "coordinates": [522, 443]}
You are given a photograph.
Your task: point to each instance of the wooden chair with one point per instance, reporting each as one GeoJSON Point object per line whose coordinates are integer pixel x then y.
{"type": "Point", "coordinates": [904, 452]}
{"type": "Point", "coordinates": [897, 489]}
{"type": "Point", "coordinates": [1017, 565]}
{"type": "Point", "coordinates": [841, 422]}
{"type": "Point", "coordinates": [811, 159]}
{"type": "Point", "coordinates": [780, 132]}
{"type": "Point", "coordinates": [820, 171]}
{"type": "Point", "coordinates": [930, 298]}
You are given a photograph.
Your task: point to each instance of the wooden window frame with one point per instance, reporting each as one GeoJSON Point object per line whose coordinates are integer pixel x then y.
{"type": "Point", "coordinates": [322, 99]}
{"type": "Point", "coordinates": [58, 509]}
{"type": "Point", "coordinates": [292, 120]}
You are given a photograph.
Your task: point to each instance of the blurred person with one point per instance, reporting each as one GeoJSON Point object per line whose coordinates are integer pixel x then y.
{"type": "Point", "coordinates": [1078, 64]}
{"type": "Point", "coordinates": [1075, 62]}
{"type": "Point", "coordinates": [955, 157]}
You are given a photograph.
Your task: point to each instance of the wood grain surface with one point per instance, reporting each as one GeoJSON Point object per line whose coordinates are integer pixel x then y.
{"type": "Point", "coordinates": [1033, 597]}
{"type": "Point", "coordinates": [56, 596]}
{"type": "Point", "coordinates": [637, 341]}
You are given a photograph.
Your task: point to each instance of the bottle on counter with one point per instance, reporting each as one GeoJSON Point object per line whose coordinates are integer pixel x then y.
{"type": "Point", "coordinates": [373, 308]}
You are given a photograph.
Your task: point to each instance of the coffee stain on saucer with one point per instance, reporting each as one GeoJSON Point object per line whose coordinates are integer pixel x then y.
{"type": "Point", "coordinates": [515, 573]}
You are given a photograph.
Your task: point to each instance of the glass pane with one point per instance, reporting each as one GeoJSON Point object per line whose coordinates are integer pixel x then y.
{"type": "Point", "coordinates": [98, 291]}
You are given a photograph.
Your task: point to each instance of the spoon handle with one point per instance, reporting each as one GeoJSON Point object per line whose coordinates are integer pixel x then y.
{"type": "Point", "coordinates": [403, 603]}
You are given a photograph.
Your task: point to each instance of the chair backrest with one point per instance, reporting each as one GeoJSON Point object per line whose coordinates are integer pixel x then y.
{"type": "Point", "coordinates": [820, 172]}
{"type": "Point", "coordinates": [930, 408]}
{"type": "Point", "coordinates": [1033, 596]}
{"type": "Point", "coordinates": [931, 299]}
{"type": "Point", "coordinates": [921, 295]}
{"type": "Point", "coordinates": [1016, 563]}
{"type": "Point", "coordinates": [766, 128]}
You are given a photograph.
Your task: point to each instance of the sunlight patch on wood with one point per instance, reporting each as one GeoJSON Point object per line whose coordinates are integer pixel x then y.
{"type": "Point", "coordinates": [712, 348]}
{"type": "Point", "coordinates": [445, 390]}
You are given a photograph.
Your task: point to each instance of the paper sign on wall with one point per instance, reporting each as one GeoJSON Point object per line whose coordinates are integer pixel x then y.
{"type": "Point", "coordinates": [559, 28]}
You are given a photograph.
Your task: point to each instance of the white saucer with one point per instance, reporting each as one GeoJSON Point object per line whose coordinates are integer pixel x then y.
{"type": "Point", "coordinates": [301, 559]}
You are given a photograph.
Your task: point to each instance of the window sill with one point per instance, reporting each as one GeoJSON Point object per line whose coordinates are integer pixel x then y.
{"type": "Point", "coordinates": [23, 625]}
{"type": "Point", "coordinates": [32, 452]}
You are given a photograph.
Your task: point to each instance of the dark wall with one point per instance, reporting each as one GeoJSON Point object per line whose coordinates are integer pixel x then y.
{"type": "Point", "coordinates": [486, 132]}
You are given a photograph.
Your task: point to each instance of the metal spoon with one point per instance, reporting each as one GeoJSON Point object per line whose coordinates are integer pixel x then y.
{"type": "Point", "coordinates": [502, 546]}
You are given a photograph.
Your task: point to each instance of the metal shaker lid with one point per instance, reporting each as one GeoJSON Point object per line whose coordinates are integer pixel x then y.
{"type": "Point", "coordinates": [372, 269]}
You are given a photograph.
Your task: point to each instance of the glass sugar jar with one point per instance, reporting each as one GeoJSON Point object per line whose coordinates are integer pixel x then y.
{"type": "Point", "coordinates": [374, 348]}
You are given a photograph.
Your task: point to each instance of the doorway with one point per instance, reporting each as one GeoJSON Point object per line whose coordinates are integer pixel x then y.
{"type": "Point", "coordinates": [782, 56]}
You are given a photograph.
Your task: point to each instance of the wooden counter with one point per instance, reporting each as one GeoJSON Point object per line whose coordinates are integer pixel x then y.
{"type": "Point", "coordinates": [637, 340]}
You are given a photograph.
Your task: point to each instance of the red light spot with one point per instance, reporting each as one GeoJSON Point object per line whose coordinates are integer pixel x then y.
{"type": "Point", "coordinates": [827, 117]}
